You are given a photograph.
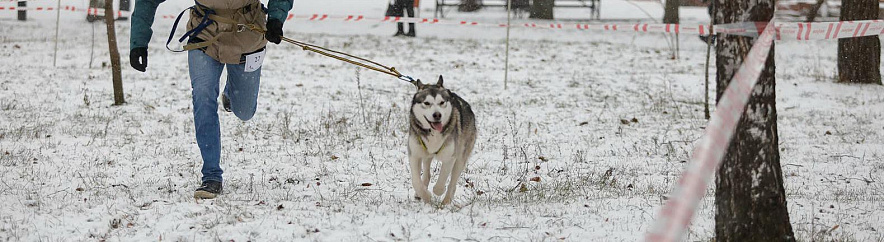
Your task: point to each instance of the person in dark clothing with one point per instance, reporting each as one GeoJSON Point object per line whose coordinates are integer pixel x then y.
{"type": "Point", "coordinates": [398, 9]}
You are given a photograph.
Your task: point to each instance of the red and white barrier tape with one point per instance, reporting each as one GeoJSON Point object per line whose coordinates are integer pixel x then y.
{"type": "Point", "coordinates": [641, 27]}
{"type": "Point", "coordinates": [808, 30]}
{"type": "Point", "coordinates": [830, 30]}
{"type": "Point", "coordinates": [28, 8]}
{"type": "Point", "coordinates": [90, 11]}
{"type": "Point", "coordinates": [100, 11]}
{"type": "Point", "coordinates": [800, 31]}
{"type": "Point", "coordinates": [675, 216]}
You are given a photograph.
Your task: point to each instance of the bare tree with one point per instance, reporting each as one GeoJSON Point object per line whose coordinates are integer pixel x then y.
{"type": "Point", "coordinates": [749, 198]}
{"type": "Point", "coordinates": [859, 59]}
{"type": "Point", "coordinates": [542, 9]}
{"type": "Point", "coordinates": [670, 12]}
{"type": "Point", "coordinates": [114, 52]}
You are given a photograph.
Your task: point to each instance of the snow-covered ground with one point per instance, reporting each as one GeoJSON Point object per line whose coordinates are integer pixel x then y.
{"type": "Point", "coordinates": [589, 137]}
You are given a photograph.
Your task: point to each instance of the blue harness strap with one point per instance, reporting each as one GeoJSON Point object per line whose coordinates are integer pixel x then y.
{"type": "Point", "coordinates": [204, 22]}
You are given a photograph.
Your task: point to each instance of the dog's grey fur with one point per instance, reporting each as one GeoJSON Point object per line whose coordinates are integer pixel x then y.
{"type": "Point", "coordinates": [452, 146]}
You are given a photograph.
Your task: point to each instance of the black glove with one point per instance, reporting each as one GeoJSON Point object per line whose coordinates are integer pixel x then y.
{"type": "Point", "coordinates": [138, 58]}
{"type": "Point", "coordinates": [274, 31]}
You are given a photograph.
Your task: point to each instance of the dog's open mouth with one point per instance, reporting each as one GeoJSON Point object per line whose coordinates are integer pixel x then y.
{"type": "Point", "coordinates": [435, 125]}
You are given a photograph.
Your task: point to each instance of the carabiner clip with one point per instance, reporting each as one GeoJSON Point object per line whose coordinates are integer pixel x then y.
{"type": "Point", "coordinates": [406, 78]}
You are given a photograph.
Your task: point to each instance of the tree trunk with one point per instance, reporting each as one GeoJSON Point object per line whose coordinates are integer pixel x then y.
{"type": "Point", "coordinates": [749, 198]}
{"type": "Point", "coordinates": [542, 9]}
{"type": "Point", "coordinates": [670, 14]}
{"type": "Point", "coordinates": [114, 52]}
{"type": "Point", "coordinates": [469, 5]}
{"type": "Point", "coordinates": [859, 59]}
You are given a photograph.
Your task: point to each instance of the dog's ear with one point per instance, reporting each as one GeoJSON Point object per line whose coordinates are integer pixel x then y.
{"type": "Point", "coordinates": [419, 84]}
{"type": "Point", "coordinates": [439, 83]}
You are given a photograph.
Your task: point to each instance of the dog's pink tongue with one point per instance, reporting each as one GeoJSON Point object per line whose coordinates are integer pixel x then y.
{"type": "Point", "coordinates": [437, 126]}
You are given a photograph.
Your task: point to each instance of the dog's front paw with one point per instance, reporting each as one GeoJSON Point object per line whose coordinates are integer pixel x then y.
{"type": "Point", "coordinates": [447, 200]}
{"type": "Point", "coordinates": [423, 196]}
{"type": "Point", "coordinates": [438, 189]}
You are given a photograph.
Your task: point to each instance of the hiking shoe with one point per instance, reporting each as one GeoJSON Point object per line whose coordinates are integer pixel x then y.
{"type": "Point", "coordinates": [411, 34]}
{"type": "Point", "coordinates": [209, 190]}
{"type": "Point", "coordinates": [225, 103]}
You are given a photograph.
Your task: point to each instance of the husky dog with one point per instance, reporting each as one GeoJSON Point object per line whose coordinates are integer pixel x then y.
{"type": "Point", "coordinates": [443, 126]}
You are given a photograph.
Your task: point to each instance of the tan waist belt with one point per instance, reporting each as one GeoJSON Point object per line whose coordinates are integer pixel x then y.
{"type": "Point", "coordinates": [224, 16]}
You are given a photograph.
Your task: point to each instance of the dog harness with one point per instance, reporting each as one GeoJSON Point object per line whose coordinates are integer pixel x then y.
{"type": "Point", "coordinates": [421, 140]}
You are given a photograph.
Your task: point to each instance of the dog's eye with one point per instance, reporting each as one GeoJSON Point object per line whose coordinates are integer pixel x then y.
{"type": "Point", "coordinates": [427, 103]}
{"type": "Point", "coordinates": [442, 103]}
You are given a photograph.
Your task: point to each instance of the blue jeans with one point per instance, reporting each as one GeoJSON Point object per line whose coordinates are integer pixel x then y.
{"type": "Point", "coordinates": [241, 89]}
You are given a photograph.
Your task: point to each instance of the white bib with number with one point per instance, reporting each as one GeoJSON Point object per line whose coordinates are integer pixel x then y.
{"type": "Point", "coordinates": [254, 61]}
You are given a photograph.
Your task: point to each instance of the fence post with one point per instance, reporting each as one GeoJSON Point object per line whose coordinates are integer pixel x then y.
{"type": "Point", "coordinates": [57, 27]}
{"type": "Point", "coordinates": [506, 61]}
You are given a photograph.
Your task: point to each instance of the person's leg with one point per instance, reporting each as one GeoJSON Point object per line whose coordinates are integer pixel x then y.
{"type": "Point", "coordinates": [410, 8]}
{"type": "Point", "coordinates": [242, 90]}
{"type": "Point", "coordinates": [400, 29]}
{"type": "Point", "coordinates": [205, 74]}
{"type": "Point", "coordinates": [399, 11]}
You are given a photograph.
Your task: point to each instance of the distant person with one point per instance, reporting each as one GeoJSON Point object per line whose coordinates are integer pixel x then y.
{"type": "Point", "coordinates": [520, 7]}
{"type": "Point", "coordinates": [398, 9]}
{"type": "Point", "coordinates": [211, 46]}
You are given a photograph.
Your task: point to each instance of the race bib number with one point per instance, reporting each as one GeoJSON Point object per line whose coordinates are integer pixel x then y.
{"type": "Point", "coordinates": [254, 61]}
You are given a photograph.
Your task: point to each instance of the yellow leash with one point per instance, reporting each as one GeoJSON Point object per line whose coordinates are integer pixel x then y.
{"type": "Point", "coordinates": [355, 60]}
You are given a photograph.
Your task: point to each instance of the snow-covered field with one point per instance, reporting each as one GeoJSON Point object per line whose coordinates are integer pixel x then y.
{"type": "Point", "coordinates": [589, 137]}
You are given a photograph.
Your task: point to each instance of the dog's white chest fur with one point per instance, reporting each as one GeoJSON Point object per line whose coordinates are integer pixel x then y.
{"type": "Point", "coordinates": [434, 142]}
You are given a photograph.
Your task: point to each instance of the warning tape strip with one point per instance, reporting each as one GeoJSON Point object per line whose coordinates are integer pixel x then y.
{"type": "Point", "coordinates": [830, 30]}
{"type": "Point", "coordinates": [100, 11]}
{"type": "Point", "coordinates": [91, 11]}
{"type": "Point", "coordinates": [801, 30]}
{"type": "Point", "coordinates": [675, 216]}
{"type": "Point", "coordinates": [809, 30]}
{"type": "Point", "coordinates": [640, 27]}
